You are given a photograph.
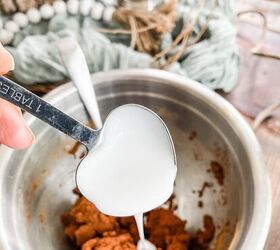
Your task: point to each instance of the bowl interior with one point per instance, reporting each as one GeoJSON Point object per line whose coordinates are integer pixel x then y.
{"type": "Point", "coordinates": [39, 181]}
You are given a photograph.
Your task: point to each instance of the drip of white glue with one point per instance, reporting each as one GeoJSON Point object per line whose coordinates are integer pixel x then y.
{"type": "Point", "coordinates": [132, 169]}
{"type": "Point", "coordinates": [140, 226]}
{"type": "Point", "coordinates": [143, 244]}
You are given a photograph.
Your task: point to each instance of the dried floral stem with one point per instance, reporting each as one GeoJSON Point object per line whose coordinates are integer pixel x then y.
{"type": "Point", "coordinates": [265, 54]}
{"type": "Point", "coordinates": [134, 33]}
{"type": "Point", "coordinates": [146, 28]}
{"type": "Point", "coordinates": [182, 38]}
{"type": "Point", "coordinates": [258, 45]}
{"type": "Point", "coordinates": [256, 50]}
{"type": "Point", "coordinates": [126, 32]}
{"type": "Point", "coordinates": [264, 114]}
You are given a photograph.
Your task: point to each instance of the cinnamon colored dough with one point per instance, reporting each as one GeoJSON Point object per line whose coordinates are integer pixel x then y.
{"type": "Point", "coordinates": [166, 230]}
{"type": "Point", "coordinates": [117, 242]}
{"type": "Point", "coordinates": [83, 222]}
{"type": "Point", "coordinates": [89, 229]}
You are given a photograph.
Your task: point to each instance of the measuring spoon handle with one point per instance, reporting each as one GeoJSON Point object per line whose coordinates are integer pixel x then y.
{"type": "Point", "coordinates": [76, 65]}
{"type": "Point", "coordinates": [31, 103]}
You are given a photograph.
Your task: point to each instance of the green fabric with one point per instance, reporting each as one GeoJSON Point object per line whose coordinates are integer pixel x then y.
{"type": "Point", "coordinates": [213, 61]}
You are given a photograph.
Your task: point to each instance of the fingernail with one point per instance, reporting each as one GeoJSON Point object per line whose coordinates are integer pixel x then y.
{"type": "Point", "coordinates": [31, 133]}
{"type": "Point", "coordinates": [28, 130]}
{"type": "Point", "coordinates": [9, 55]}
{"type": "Point", "coordinates": [12, 60]}
{"type": "Point", "coordinates": [13, 64]}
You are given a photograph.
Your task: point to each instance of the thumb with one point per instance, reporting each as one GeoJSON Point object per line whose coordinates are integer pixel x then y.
{"type": "Point", "coordinates": [14, 132]}
{"type": "Point", "coordinates": [6, 61]}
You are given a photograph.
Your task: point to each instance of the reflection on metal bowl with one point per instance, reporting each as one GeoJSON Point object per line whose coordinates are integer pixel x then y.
{"type": "Point", "coordinates": [36, 184]}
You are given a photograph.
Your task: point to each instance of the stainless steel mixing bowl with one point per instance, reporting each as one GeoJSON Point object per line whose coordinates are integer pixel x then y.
{"type": "Point", "coordinates": [36, 184]}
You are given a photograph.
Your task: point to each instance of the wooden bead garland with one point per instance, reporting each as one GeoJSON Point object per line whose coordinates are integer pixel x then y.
{"type": "Point", "coordinates": [96, 10]}
{"type": "Point", "coordinates": [8, 7]}
{"type": "Point", "coordinates": [12, 26]}
{"type": "Point", "coordinates": [6, 37]}
{"type": "Point", "coordinates": [47, 11]}
{"type": "Point", "coordinates": [73, 7]}
{"type": "Point", "coordinates": [85, 7]}
{"type": "Point", "coordinates": [21, 19]}
{"type": "Point", "coordinates": [59, 7]}
{"type": "Point", "coordinates": [34, 15]}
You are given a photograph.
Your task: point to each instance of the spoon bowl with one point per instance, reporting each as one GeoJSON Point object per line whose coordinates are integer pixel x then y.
{"type": "Point", "coordinates": [132, 169]}
{"type": "Point", "coordinates": [76, 65]}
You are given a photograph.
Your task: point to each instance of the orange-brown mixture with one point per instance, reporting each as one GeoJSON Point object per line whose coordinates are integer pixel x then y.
{"type": "Point", "coordinates": [218, 171]}
{"type": "Point", "coordinates": [89, 229]}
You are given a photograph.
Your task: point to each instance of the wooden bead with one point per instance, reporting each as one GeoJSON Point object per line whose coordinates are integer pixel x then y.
{"type": "Point", "coordinates": [6, 36]}
{"type": "Point", "coordinates": [21, 19]}
{"type": "Point", "coordinates": [11, 26]}
{"type": "Point", "coordinates": [85, 7]}
{"type": "Point", "coordinates": [97, 11]}
{"type": "Point", "coordinates": [34, 15]}
{"type": "Point", "coordinates": [108, 14]}
{"type": "Point", "coordinates": [59, 7]}
{"type": "Point", "coordinates": [73, 7]}
{"type": "Point", "coordinates": [47, 11]}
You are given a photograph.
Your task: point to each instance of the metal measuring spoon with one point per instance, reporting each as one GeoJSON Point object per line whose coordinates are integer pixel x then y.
{"type": "Point", "coordinates": [76, 65]}
{"type": "Point", "coordinates": [154, 135]}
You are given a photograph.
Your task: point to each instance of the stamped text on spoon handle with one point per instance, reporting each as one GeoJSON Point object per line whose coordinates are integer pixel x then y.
{"type": "Point", "coordinates": [28, 102]}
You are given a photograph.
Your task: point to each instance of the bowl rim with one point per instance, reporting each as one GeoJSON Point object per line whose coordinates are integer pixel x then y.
{"type": "Point", "coordinates": [261, 216]}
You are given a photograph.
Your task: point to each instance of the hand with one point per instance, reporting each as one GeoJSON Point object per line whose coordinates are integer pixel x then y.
{"type": "Point", "coordinates": [14, 132]}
